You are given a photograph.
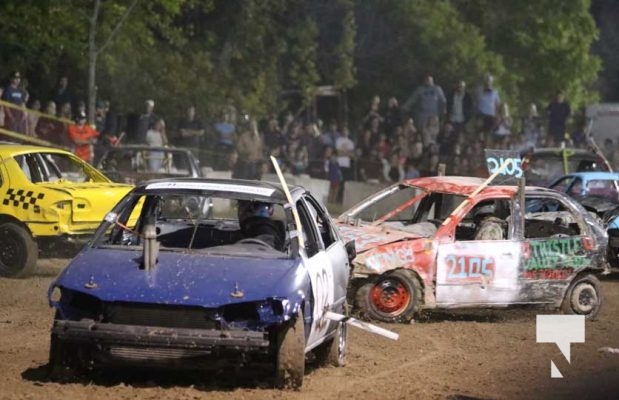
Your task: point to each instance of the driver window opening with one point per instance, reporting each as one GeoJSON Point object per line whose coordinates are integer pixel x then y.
{"type": "Point", "coordinates": [548, 217]}
{"type": "Point", "coordinates": [487, 220]}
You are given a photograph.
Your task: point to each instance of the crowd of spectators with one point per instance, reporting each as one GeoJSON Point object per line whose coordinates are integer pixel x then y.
{"type": "Point", "coordinates": [390, 143]}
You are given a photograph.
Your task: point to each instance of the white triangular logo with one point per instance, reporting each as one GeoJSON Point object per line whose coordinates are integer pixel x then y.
{"type": "Point", "coordinates": [554, 371]}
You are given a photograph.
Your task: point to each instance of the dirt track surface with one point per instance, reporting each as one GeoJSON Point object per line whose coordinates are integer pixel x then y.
{"type": "Point", "coordinates": [463, 355]}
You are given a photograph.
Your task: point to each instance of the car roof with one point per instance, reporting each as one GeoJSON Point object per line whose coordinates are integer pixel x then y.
{"type": "Point", "coordinates": [140, 147]}
{"type": "Point", "coordinates": [594, 175]}
{"type": "Point", "coordinates": [465, 185]}
{"type": "Point", "coordinates": [258, 189]}
{"type": "Point", "coordinates": [26, 148]}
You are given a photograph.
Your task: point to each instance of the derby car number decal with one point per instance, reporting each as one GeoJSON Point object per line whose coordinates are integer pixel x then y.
{"type": "Point", "coordinates": [321, 276]}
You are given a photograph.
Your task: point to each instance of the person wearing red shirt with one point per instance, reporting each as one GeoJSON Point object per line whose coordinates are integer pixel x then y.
{"type": "Point", "coordinates": [83, 137]}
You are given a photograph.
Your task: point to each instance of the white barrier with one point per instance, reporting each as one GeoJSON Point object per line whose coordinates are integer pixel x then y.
{"type": "Point", "coordinates": [354, 192]}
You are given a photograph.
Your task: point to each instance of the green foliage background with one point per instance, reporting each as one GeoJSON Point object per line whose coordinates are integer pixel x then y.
{"type": "Point", "coordinates": [258, 52]}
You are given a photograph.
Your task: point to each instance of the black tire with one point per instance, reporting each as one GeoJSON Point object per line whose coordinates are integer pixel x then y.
{"type": "Point", "coordinates": [391, 297]}
{"type": "Point", "coordinates": [18, 251]}
{"type": "Point", "coordinates": [583, 297]}
{"type": "Point", "coordinates": [290, 355]}
{"type": "Point", "coordinates": [333, 351]}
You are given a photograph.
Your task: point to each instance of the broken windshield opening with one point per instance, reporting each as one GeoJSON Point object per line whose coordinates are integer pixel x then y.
{"type": "Point", "coordinates": [199, 223]}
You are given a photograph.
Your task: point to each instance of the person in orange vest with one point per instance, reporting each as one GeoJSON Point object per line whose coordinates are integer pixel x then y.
{"type": "Point", "coordinates": [83, 137]}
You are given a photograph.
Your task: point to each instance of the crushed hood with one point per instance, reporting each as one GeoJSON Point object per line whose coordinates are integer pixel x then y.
{"type": "Point", "coordinates": [367, 237]}
{"type": "Point", "coordinates": [179, 278]}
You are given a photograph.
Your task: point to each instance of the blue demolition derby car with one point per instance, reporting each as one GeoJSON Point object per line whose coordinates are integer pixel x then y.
{"type": "Point", "coordinates": [205, 273]}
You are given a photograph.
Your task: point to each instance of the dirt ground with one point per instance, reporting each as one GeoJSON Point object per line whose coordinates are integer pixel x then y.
{"type": "Point", "coordinates": [463, 355]}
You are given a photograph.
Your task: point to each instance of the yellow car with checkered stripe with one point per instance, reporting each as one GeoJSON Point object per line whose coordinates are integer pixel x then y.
{"type": "Point", "coordinates": [49, 200]}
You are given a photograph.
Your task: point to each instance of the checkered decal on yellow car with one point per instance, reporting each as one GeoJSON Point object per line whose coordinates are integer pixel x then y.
{"type": "Point", "coordinates": [23, 198]}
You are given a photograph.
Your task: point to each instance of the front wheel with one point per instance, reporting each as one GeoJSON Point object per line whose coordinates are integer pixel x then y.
{"type": "Point", "coordinates": [392, 297]}
{"type": "Point", "coordinates": [583, 297]}
{"type": "Point", "coordinates": [18, 251]}
{"type": "Point", "coordinates": [290, 355]}
{"type": "Point", "coordinates": [333, 351]}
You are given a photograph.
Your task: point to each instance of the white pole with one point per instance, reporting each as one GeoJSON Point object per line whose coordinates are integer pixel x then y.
{"type": "Point", "coordinates": [362, 325]}
{"type": "Point", "coordinates": [295, 212]}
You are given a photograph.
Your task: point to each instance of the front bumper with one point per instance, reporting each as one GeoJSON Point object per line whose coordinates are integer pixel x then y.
{"type": "Point", "coordinates": [146, 336]}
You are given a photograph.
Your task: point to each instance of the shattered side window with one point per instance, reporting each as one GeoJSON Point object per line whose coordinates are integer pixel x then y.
{"type": "Point", "coordinates": [548, 217]}
{"type": "Point", "coordinates": [396, 206]}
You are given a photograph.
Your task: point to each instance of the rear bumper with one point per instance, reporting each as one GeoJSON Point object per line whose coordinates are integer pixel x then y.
{"type": "Point", "coordinates": [147, 336]}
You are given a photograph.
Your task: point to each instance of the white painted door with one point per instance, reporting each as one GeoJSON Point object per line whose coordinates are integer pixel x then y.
{"type": "Point", "coordinates": [478, 272]}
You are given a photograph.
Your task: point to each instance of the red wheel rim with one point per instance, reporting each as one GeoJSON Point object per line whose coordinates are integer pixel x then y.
{"type": "Point", "coordinates": [390, 296]}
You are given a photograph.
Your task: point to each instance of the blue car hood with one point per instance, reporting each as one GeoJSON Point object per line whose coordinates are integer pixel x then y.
{"type": "Point", "coordinates": [180, 278]}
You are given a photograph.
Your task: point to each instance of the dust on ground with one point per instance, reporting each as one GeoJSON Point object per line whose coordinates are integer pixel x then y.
{"type": "Point", "coordinates": [445, 355]}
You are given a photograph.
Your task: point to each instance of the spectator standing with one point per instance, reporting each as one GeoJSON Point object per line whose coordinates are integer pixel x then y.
{"type": "Point", "coordinates": [488, 102]}
{"type": "Point", "coordinates": [224, 135]}
{"type": "Point", "coordinates": [62, 95]}
{"type": "Point", "coordinates": [531, 128]}
{"type": "Point", "coordinates": [106, 125]}
{"type": "Point", "coordinates": [558, 111]}
{"type": "Point", "coordinates": [146, 120]}
{"type": "Point", "coordinates": [459, 107]}
{"type": "Point", "coordinates": [250, 148]}
{"type": "Point", "coordinates": [156, 137]}
{"type": "Point", "coordinates": [33, 117]}
{"type": "Point", "coordinates": [345, 148]}
{"type": "Point", "coordinates": [273, 134]}
{"type": "Point", "coordinates": [579, 136]}
{"type": "Point", "coordinates": [334, 174]}
{"type": "Point", "coordinates": [393, 117]}
{"type": "Point", "coordinates": [427, 101]}
{"type": "Point", "coordinates": [431, 130]}
{"type": "Point", "coordinates": [15, 117]}
{"type": "Point", "coordinates": [329, 136]}
{"type": "Point", "coordinates": [83, 137]}
{"type": "Point", "coordinates": [51, 129]}
{"type": "Point", "coordinates": [374, 112]}
{"type": "Point", "coordinates": [190, 131]}
{"type": "Point", "coordinates": [503, 125]}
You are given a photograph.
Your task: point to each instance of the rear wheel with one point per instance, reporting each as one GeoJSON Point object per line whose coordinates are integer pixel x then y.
{"type": "Point", "coordinates": [583, 297]}
{"type": "Point", "coordinates": [18, 251]}
{"type": "Point", "coordinates": [392, 297]}
{"type": "Point", "coordinates": [290, 355]}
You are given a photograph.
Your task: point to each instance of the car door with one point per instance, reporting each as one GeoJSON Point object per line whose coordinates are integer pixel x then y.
{"type": "Point", "coordinates": [478, 272]}
{"type": "Point", "coordinates": [335, 249]}
{"type": "Point", "coordinates": [320, 271]}
{"type": "Point", "coordinates": [556, 248]}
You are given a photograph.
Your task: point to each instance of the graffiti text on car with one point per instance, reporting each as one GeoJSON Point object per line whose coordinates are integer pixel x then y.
{"type": "Point", "coordinates": [556, 253]}
{"type": "Point", "coordinates": [395, 258]}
